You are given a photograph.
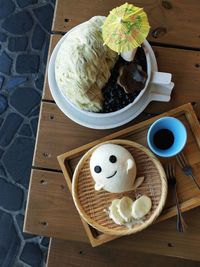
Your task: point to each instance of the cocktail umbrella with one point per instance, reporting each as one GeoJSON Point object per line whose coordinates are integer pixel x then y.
{"type": "Point", "coordinates": [125, 28]}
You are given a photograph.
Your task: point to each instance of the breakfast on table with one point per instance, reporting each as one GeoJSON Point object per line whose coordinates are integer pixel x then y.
{"type": "Point", "coordinates": [102, 67]}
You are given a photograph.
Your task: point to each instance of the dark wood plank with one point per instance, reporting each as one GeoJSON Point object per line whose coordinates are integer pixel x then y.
{"type": "Point", "coordinates": [64, 253]}
{"type": "Point", "coordinates": [175, 22]}
{"type": "Point", "coordinates": [58, 134]}
{"type": "Point", "coordinates": [50, 210]}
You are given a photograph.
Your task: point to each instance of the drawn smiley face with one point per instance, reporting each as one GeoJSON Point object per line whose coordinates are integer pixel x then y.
{"type": "Point", "coordinates": [113, 168]}
{"type": "Point", "coordinates": [98, 169]}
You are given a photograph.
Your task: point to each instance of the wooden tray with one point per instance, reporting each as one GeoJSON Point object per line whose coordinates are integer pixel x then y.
{"type": "Point", "coordinates": [92, 204]}
{"type": "Point", "coordinates": [189, 195]}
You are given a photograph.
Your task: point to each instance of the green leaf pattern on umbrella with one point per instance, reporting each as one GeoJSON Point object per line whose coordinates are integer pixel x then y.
{"type": "Point", "coordinates": [125, 28]}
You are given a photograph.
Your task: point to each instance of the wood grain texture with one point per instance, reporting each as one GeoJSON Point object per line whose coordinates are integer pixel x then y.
{"type": "Point", "coordinates": [64, 253]}
{"type": "Point", "coordinates": [58, 134]}
{"type": "Point", "coordinates": [172, 22]}
{"type": "Point", "coordinates": [51, 212]}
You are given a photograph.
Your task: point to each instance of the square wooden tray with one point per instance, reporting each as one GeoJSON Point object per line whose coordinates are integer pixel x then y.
{"type": "Point", "coordinates": [189, 195]}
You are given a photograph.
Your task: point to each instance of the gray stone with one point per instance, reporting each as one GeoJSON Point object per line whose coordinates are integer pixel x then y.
{"type": "Point", "coordinates": [20, 222]}
{"type": "Point", "coordinates": [14, 82]}
{"type": "Point", "coordinates": [11, 196]}
{"type": "Point", "coordinates": [9, 128]}
{"type": "Point", "coordinates": [1, 81]}
{"type": "Point", "coordinates": [19, 23]}
{"type": "Point", "coordinates": [31, 255]}
{"type": "Point", "coordinates": [19, 264]}
{"type": "Point", "coordinates": [6, 63]}
{"type": "Point", "coordinates": [45, 241]}
{"type": "Point", "coordinates": [34, 112]}
{"type": "Point", "coordinates": [17, 44]}
{"type": "Point", "coordinates": [6, 8]}
{"type": "Point", "coordinates": [38, 38]}
{"type": "Point", "coordinates": [2, 171]}
{"type": "Point", "coordinates": [24, 3]}
{"type": "Point", "coordinates": [18, 38]}
{"type": "Point", "coordinates": [25, 130]}
{"type": "Point", "coordinates": [46, 52]}
{"type": "Point", "coordinates": [27, 63]}
{"type": "Point", "coordinates": [1, 152]}
{"type": "Point", "coordinates": [3, 103]}
{"type": "Point", "coordinates": [31, 97]}
{"type": "Point", "coordinates": [3, 37]}
{"type": "Point", "coordinates": [39, 82]}
{"type": "Point", "coordinates": [18, 158]}
{"type": "Point", "coordinates": [34, 123]}
{"type": "Point", "coordinates": [9, 240]}
{"type": "Point", "coordinates": [44, 14]}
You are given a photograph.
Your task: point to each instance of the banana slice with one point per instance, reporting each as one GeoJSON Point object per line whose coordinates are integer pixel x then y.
{"type": "Point", "coordinates": [125, 208]}
{"type": "Point", "coordinates": [141, 207]}
{"type": "Point", "coordinates": [114, 213]}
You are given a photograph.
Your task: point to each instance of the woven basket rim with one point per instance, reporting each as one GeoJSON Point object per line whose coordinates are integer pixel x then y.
{"type": "Point", "coordinates": [126, 231]}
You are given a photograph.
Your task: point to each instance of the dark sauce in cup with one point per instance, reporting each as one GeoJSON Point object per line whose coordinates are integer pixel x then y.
{"type": "Point", "coordinates": [163, 139]}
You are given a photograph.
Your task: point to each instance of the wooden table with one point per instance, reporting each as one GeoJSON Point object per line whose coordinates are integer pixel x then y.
{"type": "Point", "coordinates": [175, 37]}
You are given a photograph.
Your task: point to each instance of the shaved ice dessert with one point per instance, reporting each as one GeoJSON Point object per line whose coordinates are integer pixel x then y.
{"type": "Point", "coordinates": [83, 65]}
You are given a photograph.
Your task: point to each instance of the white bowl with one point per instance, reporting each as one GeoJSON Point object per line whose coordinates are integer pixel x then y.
{"type": "Point", "coordinates": [119, 117]}
{"type": "Point", "coordinates": [146, 46]}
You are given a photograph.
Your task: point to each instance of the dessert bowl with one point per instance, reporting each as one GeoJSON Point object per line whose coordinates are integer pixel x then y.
{"type": "Point", "coordinates": [124, 114]}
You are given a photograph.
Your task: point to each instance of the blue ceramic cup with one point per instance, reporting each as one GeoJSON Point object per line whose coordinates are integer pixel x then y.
{"type": "Point", "coordinates": [167, 136]}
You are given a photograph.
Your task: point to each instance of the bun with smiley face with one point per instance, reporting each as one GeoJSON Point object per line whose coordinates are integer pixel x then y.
{"type": "Point", "coordinates": [113, 169]}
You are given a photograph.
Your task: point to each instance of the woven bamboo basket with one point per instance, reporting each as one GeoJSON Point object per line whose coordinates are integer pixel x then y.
{"type": "Point", "coordinates": [91, 204]}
